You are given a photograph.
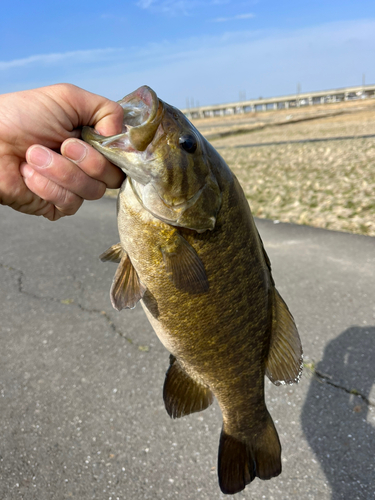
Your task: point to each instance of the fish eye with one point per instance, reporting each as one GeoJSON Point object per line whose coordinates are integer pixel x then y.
{"type": "Point", "coordinates": [188, 143]}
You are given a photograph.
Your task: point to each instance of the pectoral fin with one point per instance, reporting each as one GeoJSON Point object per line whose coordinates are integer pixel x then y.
{"type": "Point", "coordinates": [113, 254]}
{"type": "Point", "coordinates": [284, 361]}
{"type": "Point", "coordinates": [184, 266]}
{"type": "Point", "coordinates": [183, 395]}
{"type": "Point", "coordinates": [127, 288]}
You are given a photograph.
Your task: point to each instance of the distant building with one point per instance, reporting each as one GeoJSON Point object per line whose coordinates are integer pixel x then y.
{"type": "Point", "coordinates": [282, 102]}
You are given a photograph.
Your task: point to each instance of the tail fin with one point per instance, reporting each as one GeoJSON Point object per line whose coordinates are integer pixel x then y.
{"type": "Point", "coordinates": [241, 461]}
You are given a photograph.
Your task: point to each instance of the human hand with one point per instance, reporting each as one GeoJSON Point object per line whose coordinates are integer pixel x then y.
{"type": "Point", "coordinates": [34, 125]}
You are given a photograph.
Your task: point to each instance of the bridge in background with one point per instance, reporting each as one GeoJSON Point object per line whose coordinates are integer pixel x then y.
{"type": "Point", "coordinates": [283, 102]}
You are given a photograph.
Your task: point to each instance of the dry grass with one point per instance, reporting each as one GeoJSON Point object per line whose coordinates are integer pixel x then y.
{"type": "Point", "coordinates": [328, 184]}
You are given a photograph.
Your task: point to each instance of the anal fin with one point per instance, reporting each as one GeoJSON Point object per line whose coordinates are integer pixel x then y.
{"type": "Point", "coordinates": [183, 395]}
{"type": "Point", "coordinates": [285, 359]}
{"type": "Point", "coordinates": [184, 266]}
{"type": "Point", "coordinates": [127, 288]}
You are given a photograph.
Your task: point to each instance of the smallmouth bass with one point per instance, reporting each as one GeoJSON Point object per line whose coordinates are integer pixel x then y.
{"type": "Point", "coordinates": [190, 252]}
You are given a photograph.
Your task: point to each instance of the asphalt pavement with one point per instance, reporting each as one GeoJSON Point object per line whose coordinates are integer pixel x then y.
{"type": "Point", "coordinates": [81, 406]}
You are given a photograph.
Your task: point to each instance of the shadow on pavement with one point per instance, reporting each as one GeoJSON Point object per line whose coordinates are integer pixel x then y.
{"type": "Point", "coordinates": [336, 414]}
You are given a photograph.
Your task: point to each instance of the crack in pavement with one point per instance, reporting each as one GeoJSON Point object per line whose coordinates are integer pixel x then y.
{"type": "Point", "coordinates": [327, 379]}
{"type": "Point", "coordinates": [69, 302]}
{"type": "Point", "coordinates": [324, 378]}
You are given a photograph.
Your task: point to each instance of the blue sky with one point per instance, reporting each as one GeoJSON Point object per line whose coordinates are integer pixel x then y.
{"type": "Point", "coordinates": [207, 51]}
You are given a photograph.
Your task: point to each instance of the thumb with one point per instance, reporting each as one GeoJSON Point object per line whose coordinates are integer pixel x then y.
{"type": "Point", "coordinates": [86, 108]}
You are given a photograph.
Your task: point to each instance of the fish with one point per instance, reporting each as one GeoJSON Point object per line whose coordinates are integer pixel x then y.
{"type": "Point", "coordinates": [190, 252]}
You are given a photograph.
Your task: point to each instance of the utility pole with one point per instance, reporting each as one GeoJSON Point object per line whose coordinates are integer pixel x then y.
{"type": "Point", "coordinates": [298, 93]}
{"type": "Point", "coordinates": [363, 85]}
{"type": "Point", "coordinates": [242, 95]}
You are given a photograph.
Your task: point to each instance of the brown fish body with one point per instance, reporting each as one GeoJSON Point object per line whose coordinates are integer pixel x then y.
{"type": "Point", "coordinates": [211, 300]}
{"type": "Point", "coordinates": [206, 332]}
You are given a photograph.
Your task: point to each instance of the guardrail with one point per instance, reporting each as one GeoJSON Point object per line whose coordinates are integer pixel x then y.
{"type": "Point", "coordinates": [282, 102]}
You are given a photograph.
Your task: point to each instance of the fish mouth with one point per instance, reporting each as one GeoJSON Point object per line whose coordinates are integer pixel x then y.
{"type": "Point", "coordinates": [143, 113]}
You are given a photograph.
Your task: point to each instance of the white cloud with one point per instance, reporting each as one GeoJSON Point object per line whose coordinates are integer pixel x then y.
{"type": "Point", "coordinates": [233, 18]}
{"type": "Point", "coordinates": [145, 4]}
{"type": "Point", "coordinates": [176, 7]}
{"type": "Point", "coordinates": [58, 58]}
{"type": "Point", "coordinates": [170, 7]}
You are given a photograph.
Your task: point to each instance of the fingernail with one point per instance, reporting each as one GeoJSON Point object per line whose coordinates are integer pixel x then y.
{"type": "Point", "coordinates": [26, 170]}
{"type": "Point", "coordinates": [75, 150]}
{"type": "Point", "coordinates": [39, 156]}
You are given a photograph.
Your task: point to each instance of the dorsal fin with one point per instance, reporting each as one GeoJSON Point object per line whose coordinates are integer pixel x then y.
{"type": "Point", "coordinates": [113, 254]}
{"type": "Point", "coordinates": [266, 258]}
{"type": "Point", "coordinates": [183, 395]}
{"type": "Point", "coordinates": [285, 359]}
{"type": "Point", "coordinates": [126, 288]}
